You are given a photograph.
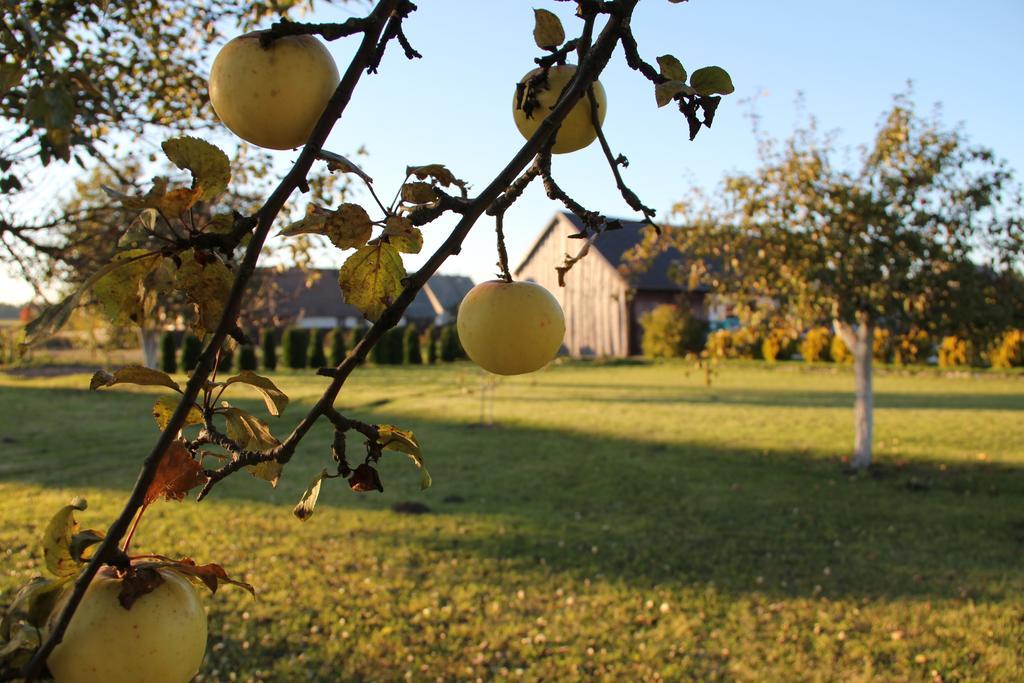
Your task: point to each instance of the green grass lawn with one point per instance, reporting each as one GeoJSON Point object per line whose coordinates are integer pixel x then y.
{"type": "Point", "coordinates": [622, 522]}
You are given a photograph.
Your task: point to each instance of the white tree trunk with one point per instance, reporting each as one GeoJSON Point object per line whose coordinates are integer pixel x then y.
{"type": "Point", "coordinates": [860, 341]}
{"type": "Point", "coordinates": [149, 339]}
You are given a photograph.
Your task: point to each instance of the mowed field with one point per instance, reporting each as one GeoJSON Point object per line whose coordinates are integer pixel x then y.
{"type": "Point", "coordinates": [618, 522]}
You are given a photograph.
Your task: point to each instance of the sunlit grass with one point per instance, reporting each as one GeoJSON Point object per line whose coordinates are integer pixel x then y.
{"type": "Point", "coordinates": [624, 522]}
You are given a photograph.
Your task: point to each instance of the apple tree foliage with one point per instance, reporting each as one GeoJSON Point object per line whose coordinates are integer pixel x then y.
{"type": "Point", "coordinates": [183, 234]}
{"type": "Point", "coordinates": [923, 233]}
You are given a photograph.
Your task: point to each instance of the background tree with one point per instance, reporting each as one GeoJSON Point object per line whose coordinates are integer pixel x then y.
{"type": "Point", "coordinates": [295, 347]}
{"type": "Point", "coordinates": [338, 347]}
{"type": "Point", "coordinates": [191, 347]}
{"type": "Point", "coordinates": [922, 234]}
{"type": "Point", "coordinates": [317, 357]}
{"type": "Point", "coordinates": [168, 351]}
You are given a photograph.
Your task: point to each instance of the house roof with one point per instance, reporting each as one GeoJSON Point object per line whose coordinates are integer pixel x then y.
{"type": "Point", "coordinates": [293, 299]}
{"type": "Point", "coordinates": [612, 244]}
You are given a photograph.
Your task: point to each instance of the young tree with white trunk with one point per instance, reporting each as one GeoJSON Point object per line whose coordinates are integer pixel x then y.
{"type": "Point", "coordinates": [923, 233]}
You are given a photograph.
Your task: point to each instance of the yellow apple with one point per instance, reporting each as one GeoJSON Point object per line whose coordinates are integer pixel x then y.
{"type": "Point", "coordinates": [272, 97]}
{"type": "Point", "coordinates": [161, 639]}
{"type": "Point", "coordinates": [510, 328]}
{"type": "Point", "coordinates": [577, 130]}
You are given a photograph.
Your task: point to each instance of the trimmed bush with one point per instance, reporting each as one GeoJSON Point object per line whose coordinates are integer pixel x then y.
{"type": "Point", "coordinates": [191, 348]}
{"type": "Point", "coordinates": [317, 357]}
{"type": "Point", "coordinates": [1008, 351]}
{"type": "Point", "coordinates": [294, 347]}
{"type": "Point", "coordinates": [912, 347]}
{"type": "Point", "coordinates": [449, 344]}
{"type": "Point", "coordinates": [247, 357]}
{"type": "Point", "coordinates": [719, 344]}
{"type": "Point", "coordinates": [411, 354]}
{"type": "Point", "coordinates": [168, 353]}
{"type": "Point", "coordinates": [746, 343]}
{"type": "Point", "coordinates": [269, 345]}
{"type": "Point", "coordinates": [338, 347]}
{"type": "Point", "coordinates": [227, 359]}
{"type": "Point", "coordinates": [430, 341]}
{"type": "Point", "coordinates": [816, 346]}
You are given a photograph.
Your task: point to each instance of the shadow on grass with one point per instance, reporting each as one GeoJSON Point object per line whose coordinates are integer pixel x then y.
{"type": "Point", "coordinates": [641, 513]}
{"type": "Point", "coordinates": [789, 398]}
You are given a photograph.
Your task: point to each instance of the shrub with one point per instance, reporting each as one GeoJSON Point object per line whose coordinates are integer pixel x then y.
{"type": "Point", "coordinates": [294, 347]}
{"type": "Point", "coordinates": [449, 344]}
{"type": "Point", "coordinates": [317, 358]}
{"type": "Point", "coordinates": [168, 353]}
{"type": "Point", "coordinates": [778, 344]}
{"type": "Point", "coordinates": [269, 350]}
{"type": "Point", "coordinates": [191, 347]}
{"type": "Point", "coordinates": [954, 352]}
{"type": "Point", "coordinates": [746, 343]}
{"type": "Point", "coordinates": [338, 347]}
{"type": "Point", "coordinates": [914, 346]}
{"type": "Point", "coordinates": [430, 341]}
{"type": "Point", "coordinates": [881, 345]}
{"type": "Point", "coordinates": [411, 346]}
{"type": "Point", "coordinates": [671, 331]}
{"type": "Point", "coordinates": [719, 344]}
{"type": "Point", "coordinates": [247, 357]}
{"type": "Point", "coordinates": [816, 346]}
{"type": "Point", "coordinates": [1008, 351]}
{"type": "Point", "coordinates": [395, 342]}
{"type": "Point", "coordinates": [357, 335]}
{"type": "Point", "coordinates": [841, 353]}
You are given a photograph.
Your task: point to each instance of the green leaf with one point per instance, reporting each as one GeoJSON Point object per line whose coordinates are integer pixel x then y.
{"type": "Point", "coordinates": [133, 374]}
{"type": "Point", "coordinates": [547, 29]}
{"type": "Point", "coordinates": [395, 439]}
{"type": "Point", "coordinates": [304, 508]}
{"type": "Point", "coordinates": [84, 540]}
{"type": "Point", "coordinates": [221, 224]}
{"type": "Point", "coordinates": [164, 408]}
{"type": "Point", "coordinates": [371, 278]}
{"type": "Point", "coordinates": [664, 92]}
{"type": "Point", "coordinates": [207, 285]}
{"type": "Point", "coordinates": [671, 68]}
{"type": "Point", "coordinates": [348, 227]}
{"type": "Point", "coordinates": [438, 172]}
{"type": "Point", "coordinates": [34, 602]}
{"type": "Point", "coordinates": [209, 166]}
{"type": "Point", "coordinates": [402, 235]}
{"type": "Point", "coordinates": [418, 193]}
{"type": "Point", "coordinates": [25, 637]}
{"type": "Point", "coordinates": [712, 80]}
{"type": "Point", "coordinates": [57, 540]}
{"type": "Point", "coordinates": [269, 471]}
{"type": "Point", "coordinates": [121, 292]}
{"type": "Point", "coordinates": [52, 318]}
{"type": "Point", "coordinates": [275, 399]}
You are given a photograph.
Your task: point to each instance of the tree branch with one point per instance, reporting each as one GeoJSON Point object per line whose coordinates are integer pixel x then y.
{"type": "Point", "coordinates": [265, 218]}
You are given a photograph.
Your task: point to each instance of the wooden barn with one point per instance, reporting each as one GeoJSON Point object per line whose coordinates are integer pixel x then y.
{"type": "Point", "coordinates": [602, 308]}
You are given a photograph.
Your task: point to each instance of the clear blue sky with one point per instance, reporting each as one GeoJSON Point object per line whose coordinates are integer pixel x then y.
{"type": "Point", "coordinates": [847, 60]}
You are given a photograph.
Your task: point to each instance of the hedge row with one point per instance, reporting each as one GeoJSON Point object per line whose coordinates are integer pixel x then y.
{"type": "Point", "coordinates": [306, 348]}
{"type": "Point", "coordinates": [672, 332]}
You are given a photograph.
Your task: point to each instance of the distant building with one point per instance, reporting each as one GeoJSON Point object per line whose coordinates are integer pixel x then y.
{"type": "Point", "coordinates": [312, 299]}
{"type": "Point", "coordinates": [602, 308]}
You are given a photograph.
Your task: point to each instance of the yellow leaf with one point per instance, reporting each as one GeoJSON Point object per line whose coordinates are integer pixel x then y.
{"type": "Point", "coordinates": [671, 68]}
{"type": "Point", "coordinates": [418, 193]}
{"type": "Point", "coordinates": [348, 227]}
{"type": "Point", "coordinates": [402, 235]}
{"type": "Point", "coordinates": [275, 399]}
{"type": "Point", "coordinates": [133, 374]}
{"type": "Point", "coordinates": [57, 540]}
{"type": "Point", "coordinates": [210, 168]}
{"type": "Point", "coordinates": [165, 407]}
{"type": "Point", "coordinates": [207, 285]}
{"type": "Point", "coordinates": [177, 202]}
{"type": "Point", "coordinates": [371, 278]}
{"type": "Point", "coordinates": [121, 291]}
{"type": "Point", "coordinates": [547, 29]}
